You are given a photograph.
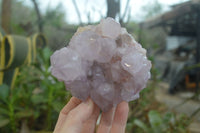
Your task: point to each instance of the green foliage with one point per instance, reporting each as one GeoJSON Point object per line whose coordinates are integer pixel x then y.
{"type": "Point", "coordinates": [18, 29]}
{"type": "Point", "coordinates": [153, 8]}
{"type": "Point", "coordinates": [4, 89]}
{"type": "Point", "coordinates": [155, 121]}
{"type": "Point", "coordinates": [148, 116]}
{"type": "Point", "coordinates": [8, 105]}
{"type": "Point", "coordinates": [55, 17]}
{"type": "Point", "coordinates": [37, 97]}
{"type": "Point", "coordinates": [163, 124]}
{"type": "Point", "coordinates": [23, 18]}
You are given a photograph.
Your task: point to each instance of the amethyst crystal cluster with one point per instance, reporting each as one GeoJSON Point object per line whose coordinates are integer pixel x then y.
{"type": "Point", "coordinates": [103, 62]}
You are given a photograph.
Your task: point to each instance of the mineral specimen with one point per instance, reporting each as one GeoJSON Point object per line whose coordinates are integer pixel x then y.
{"type": "Point", "coordinates": [103, 62]}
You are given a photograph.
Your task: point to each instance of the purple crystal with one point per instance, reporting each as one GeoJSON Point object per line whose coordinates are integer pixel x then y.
{"type": "Point", "coordinates": [103, 62]}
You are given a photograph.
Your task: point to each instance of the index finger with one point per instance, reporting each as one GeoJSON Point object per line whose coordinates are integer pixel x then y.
{"type": "Point", "coordinates": [73, 102]}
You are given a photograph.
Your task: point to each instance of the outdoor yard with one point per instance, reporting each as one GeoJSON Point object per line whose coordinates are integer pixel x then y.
{"type": "Point", "coordinates": [31, 98]}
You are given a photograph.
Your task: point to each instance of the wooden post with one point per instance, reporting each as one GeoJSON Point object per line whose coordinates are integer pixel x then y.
{"type": "Point", "coordinates": [113, 8]}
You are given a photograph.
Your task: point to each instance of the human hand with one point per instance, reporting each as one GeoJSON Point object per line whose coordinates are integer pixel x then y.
{"type": "Point", "coordinates": [81, 117]}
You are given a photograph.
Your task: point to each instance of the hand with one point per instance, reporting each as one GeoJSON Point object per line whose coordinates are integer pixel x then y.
{"type": "Point", "coordinates": [81, 117]}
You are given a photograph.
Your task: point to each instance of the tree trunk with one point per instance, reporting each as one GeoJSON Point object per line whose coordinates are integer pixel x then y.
{"type": "Point", "coordinates": [6, 15]}
{"type": "Point", "coordinates": [121, 19]}
{"type": "Point", "coordinates": [39, 21]}
{"type": "Point", "coordinates": [113, 8]}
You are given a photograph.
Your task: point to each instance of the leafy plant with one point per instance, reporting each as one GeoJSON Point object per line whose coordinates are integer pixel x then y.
{"type": "Point", "coordinates": [37, 97]}
{"type": "Point", "coordinates": [146, 115]}
{"type": "Point", "coordinates": [163, 124]}
{"type": "Point", "coordinates": [10, 108]}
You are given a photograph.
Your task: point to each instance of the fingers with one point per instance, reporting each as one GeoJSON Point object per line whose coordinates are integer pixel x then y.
{"type": "Point", "coordinates": [63, 114]}
{"type": "Point", "coordinates": [106, 121]}
{"type": "Point", "coordinates": [73, 102]}
{"type": "Point", "coordinates": [90, 125]}
{"type": "Point", "coordinates": [120, 118]}
{"type": "Point", "coordinates": [77, 116]}
{"type": "Point", "coordinates": [81, 117]}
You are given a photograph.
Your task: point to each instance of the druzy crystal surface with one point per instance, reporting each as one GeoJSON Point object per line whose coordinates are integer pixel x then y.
{"type": "Point", "coordinates": [102, 62]}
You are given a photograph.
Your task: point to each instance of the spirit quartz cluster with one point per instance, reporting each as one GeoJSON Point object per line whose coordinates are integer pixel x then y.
{"type": "Point", "coordinates": [102, 62]}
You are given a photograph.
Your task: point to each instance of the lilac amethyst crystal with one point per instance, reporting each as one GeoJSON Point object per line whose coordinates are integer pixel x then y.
{"type": "Point", "coordinates": [103, 62]}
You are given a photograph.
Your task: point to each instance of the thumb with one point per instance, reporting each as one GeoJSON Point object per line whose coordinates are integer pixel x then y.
{"type": "Point", "coordinates": [76, 117]}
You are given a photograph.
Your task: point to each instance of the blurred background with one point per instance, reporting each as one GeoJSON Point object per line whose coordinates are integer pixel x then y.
{"type": "Point", "coordinates": [31, 30]}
